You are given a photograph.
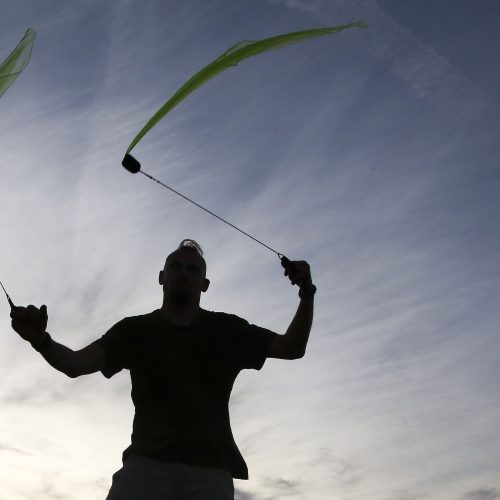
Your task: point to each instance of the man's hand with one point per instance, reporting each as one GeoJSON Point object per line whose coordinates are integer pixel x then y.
{"type": "Point", "coordinates": [30, 322]}
{"type": "Point", "coordinates": [299, 273]}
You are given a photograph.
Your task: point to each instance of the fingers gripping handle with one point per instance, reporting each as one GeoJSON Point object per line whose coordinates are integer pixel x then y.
{"type": "Point", "coordinates": [286, 263]}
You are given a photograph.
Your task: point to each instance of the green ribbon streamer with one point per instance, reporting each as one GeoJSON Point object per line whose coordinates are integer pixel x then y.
{"type": "Point", "coordinates": [18, 59]}
{"type": "Point", "coordinates": [231, 57]}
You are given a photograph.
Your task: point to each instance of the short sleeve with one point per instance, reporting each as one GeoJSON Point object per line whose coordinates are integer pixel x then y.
{"type": "Point", "coordinates": [117, 348]}
{"type": "Point", "coordinates": [250, 344]}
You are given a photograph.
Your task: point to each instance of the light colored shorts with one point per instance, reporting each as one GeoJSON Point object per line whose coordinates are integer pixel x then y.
{"type": "Point", "coordinates": [143, 478]}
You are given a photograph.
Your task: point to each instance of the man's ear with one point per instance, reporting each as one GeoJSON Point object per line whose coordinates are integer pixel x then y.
{"type": "Point", "coordinates": [206, 284]}
{"type": "Point", "coordinates": [160, 278]}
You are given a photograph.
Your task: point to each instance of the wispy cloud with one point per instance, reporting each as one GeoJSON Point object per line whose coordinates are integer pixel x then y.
{"type": "Point", "coordinates": [242, 495]}
{"type": "Point", "coordinates": [484, 493]}
{"type": "Point", "coordinates": [430, 75]}
{"type": "Point", "coordinates": [281, 488]}
{"type": "Point", "coordinates": [11, 449]}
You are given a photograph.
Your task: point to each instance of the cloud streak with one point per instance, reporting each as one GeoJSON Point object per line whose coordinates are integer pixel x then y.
{"type": "Point", "coordinates": [430, 75]}
{"type": "Point", "coordinates": [484, 493]}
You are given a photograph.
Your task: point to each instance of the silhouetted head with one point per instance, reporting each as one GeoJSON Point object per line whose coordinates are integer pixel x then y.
{"type": "Point", "coordinates": [184, 275]}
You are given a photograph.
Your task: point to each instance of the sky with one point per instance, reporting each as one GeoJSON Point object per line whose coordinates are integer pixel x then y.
{"type": "Point", "coordinates": [372, 154]}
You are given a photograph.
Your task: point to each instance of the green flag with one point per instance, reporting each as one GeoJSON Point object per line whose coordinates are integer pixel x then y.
{"type": "Point", "coordinates": [232, 56]}
{"type": "Point", "coordinates": [12, 67]}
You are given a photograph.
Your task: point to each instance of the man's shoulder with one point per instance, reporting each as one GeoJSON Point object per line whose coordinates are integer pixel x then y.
{"type": "Point", "coordinates": [222, 317]}
{"type": "Point", "coordinates": [138, 320]}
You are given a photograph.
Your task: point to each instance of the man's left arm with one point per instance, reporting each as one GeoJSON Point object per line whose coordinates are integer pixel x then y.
{"type": "Point", "coordinates": [293, 344]}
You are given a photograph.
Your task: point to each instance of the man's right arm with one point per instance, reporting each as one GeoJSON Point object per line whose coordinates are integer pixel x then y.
{"type": "Point", "coordinates": [30, 323]}
{"type": "Point", "coordinates": [88, 360]}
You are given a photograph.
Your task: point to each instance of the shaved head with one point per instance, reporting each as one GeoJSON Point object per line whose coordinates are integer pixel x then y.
{"type": "Point", "coordinates": [184, 274]}
{"type": "Point", "coordinates": [192, 247]}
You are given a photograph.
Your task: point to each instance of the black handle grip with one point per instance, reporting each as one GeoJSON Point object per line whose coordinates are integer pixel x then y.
{"type": "Point", "coordinates": [286, 263]}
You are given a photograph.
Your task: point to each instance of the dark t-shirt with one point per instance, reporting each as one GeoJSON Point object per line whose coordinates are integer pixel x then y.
{"type": "Point", "coordinates": [181, 382]}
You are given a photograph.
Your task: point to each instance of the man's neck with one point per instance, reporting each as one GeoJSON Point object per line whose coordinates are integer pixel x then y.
{"type": "Point", "coordinates": [180, 315]}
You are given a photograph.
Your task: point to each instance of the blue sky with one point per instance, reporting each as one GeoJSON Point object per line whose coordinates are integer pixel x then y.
{"type": "Point", "coordinates": [373, 154]}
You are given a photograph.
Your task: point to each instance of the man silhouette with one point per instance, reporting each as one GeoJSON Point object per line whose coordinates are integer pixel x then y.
{"type": "Point", "coordinates": [183, 361]}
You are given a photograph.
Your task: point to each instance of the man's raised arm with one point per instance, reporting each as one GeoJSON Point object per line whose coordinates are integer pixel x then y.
{"type": "Point", "coordinates": [293, 344]}
{"type": "Point", "coordinates": [30, 323]}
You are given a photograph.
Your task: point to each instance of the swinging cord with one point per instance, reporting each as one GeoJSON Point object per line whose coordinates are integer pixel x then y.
{"type": "Point", "coordinates": [211, 213]}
